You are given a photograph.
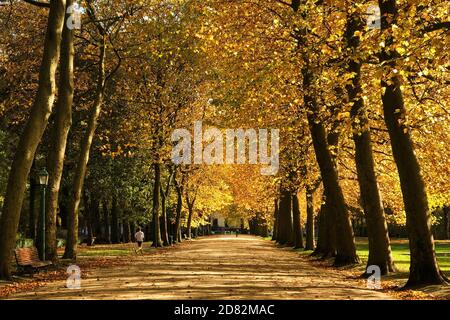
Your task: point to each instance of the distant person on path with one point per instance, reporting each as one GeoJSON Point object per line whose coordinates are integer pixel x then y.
{"type": "Point", "coordinates": [139, 236]}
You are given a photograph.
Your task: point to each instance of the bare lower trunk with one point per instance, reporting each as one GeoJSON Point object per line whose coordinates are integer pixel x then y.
{"type": "Point", "coordinates": [297, 225]}
{"type": "Point", "coordinates": [379, 246]}
{"type": "Point", "coordinates": [115, 229]}
{"type": "Point", "coordinates": [447, 222]}
{"type": "Point", "coordinates": [327, 246]}
{"type": "Point", "coordinates": [345, 244]}
{"type": "Point", "coordinates": [126, 231]}
{"type": "Point", "coordinates": [330, 215]}
{"type": "Point", "coordinates": [377, 231]}
{"type": "Point", "coordinates": [331, 235]}
{"type": "Point", "coordinates": [321, 235]}
{"type": "Point", "coordinates": [31, 136]}
{"type": "Point", "coordinates": [164, 196]}
{"type": "Point", "coordinates": [164, 231]}
{"type": "Point", "coordinates": [80, 171]}
{"type": "Point", "coordinates": [155, 212]}
{"type": "Point", "coordinates": [34, 192]}
{"type": "Point", "coordinates": [179, 189]}
{"type": "Point", "coordinates": [424, 269]}
{"type": "Point", "coordinates": [88, 218]}
{"type": "Point", "coordinates": [284, 234]}
{"type": "Point", "coordinates": [96, 221]}
{"type": "Point", "coordinates": [60, 130]}
{"type": "Point", "coordinates": [132, 231]}
{"type": "Point", "coordinates": [275, 221]}
{"type": "Point", "coordinates": [190, 201]}
{"type": "Point", "coordinates": [309, 219]}
{"type": "Point", "coordinates": [106, 223]}
{"type": "Point", "coordinates": [189, 221]}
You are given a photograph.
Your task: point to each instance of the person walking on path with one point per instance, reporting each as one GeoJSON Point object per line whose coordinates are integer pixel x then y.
{"type": "Point", "coordinates": [139, 236]}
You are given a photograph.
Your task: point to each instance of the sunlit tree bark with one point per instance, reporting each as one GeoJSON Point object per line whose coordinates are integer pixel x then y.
{"type": "Point", "coordinates": [31, 136]}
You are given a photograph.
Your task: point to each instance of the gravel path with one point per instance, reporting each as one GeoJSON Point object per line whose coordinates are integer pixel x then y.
{"type": "Point", "coordinates": [217, 267]}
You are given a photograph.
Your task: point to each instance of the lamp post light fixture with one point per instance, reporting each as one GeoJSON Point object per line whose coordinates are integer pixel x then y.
{"type": "Point", "coordinates": [43, 182]}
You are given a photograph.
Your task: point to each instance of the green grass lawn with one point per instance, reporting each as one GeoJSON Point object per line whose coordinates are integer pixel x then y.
{"type": "Point", "coordinates": [111, 250]}
{"type": "Point", "coordinates": [400, 252]}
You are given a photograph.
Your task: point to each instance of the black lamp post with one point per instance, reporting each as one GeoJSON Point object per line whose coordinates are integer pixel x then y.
{"type": "Point", "coordinates": [43, 181]}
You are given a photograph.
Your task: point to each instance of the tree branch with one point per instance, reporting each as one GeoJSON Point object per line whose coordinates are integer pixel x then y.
{"type": "Point", "coordinates": [445, 25]}
{"type": "Point", "coordinates": [39, 4]}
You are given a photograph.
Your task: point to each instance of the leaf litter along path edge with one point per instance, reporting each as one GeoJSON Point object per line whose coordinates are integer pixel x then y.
{"type": "Point", "coordinates": [216, 267]}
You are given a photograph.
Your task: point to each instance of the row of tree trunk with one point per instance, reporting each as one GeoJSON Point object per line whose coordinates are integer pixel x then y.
{"type": "Point", "coordinates": [335, 237]}
{"type": "Point", "coordinates": [31, 136]}
{"type": "Point", "coordinates": [424, 268]}
{"type": "Point", "coordinates": [58, 51]}
{"type": "Point", "coordinates": [258, 226]}
{"type": "Point", "coordinates": [108, 222]}
{"type": "Point", "coordinates": [287, 222]}
{"type": "Point", "coordinates": [162, 230]}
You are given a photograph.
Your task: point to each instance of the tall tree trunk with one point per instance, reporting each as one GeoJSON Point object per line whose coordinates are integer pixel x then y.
{"type": "Point", "coordinates": [106, 222]}
{"type": "Point", "coordinates": [424, 269]}
{"type": "Point", "coordinates": [331, 230]}
{"type": "Point", "coordinates": [297, 224]}
{"type": "Point", "coordinates": [163, 226]}
{"type": "Point", "coordinates": [309, 219]}
{"type": "Point", "coordinates": [275, 221]}
{"type": "Point", "coordinates": [126, 231]}
{"type": "Point", "coordinates": [63, 203]}
{"type": "Point", "coordinates": [96, 221]}
{"type": "Point", "coordinates": [60, 130]}
{"type": "Point", "coordinates": [115, 228]}
{"type": "Point", "coordinates": [179, 190]}
{"type": "Point", "coordinates": [284, 235]}
{"type": "Point", "coordinates": [155, 212]}
{"type": "Point", "coordinates": [446, 212]}
{"type": "Point", "coordinates": [132, 231]}
{"type": "Point", "coordinates": [31, 136]}
{"type": "Point", "coordinates": [149, 234]}
{"type": "Point", "coordinates": [34, 192]}
{"type": "Point", "coordinates": [379, 246]}
{"type": "Point", "coordinates": [85, 146]}
{"type": "Point", "coordinates": [346, 249]}
{"type": "Point", "coordinates": [190, 204]}
{"type": "Point", "coordinates": [320, 249]}
{"type": "Point", "coordinates": [261, 224]}
{"type": "Point", "coordinates": [326, 242]}
{"type": "Point", "coordinates": [88, 217]}
{"type": "Point", "coordinates": [330, 216]}
{"type": "Point", "coordinates": [189, 221]}
{"type": "Point", "coordinates": [164, 197]}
